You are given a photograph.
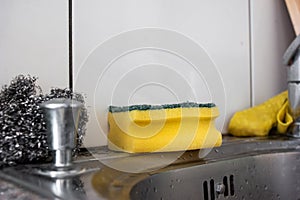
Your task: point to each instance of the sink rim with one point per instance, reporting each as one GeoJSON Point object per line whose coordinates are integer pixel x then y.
{"type": "Point", "coordinates": [232, 148]}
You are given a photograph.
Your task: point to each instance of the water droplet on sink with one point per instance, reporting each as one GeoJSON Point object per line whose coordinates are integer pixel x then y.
{"type": "Point", "coordinates": [172, 186]}
{"type": "Point", "coordinates": [155, 189]}
{"type": "Point", "coordinates": [241, 187]}
{"type": "Point", "coordinates": [216, 150]}
{"type": "Point", "coordinates": [250, 195]}
{"type": "Point", "coordinates": [246, 181]}
{"type": "Point", "coordinates": [178, 180]}
{"type": "Point", "coordinates": [266, 187]}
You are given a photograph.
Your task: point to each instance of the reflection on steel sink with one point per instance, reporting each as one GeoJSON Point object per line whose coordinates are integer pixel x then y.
{"type": "Point", "coordinates": [266, 176]}
{"type": "Point", "coordinates": [251, 168]}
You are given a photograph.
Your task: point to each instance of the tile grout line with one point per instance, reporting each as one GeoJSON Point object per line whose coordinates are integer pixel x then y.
{"type": "Point", "coordinates": [250, 55]}
{"type": "Point", "coordinates": [70, 38]}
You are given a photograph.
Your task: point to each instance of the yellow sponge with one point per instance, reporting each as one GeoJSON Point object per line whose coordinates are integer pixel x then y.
{"type": "Point", "coordinates": [171, 127]}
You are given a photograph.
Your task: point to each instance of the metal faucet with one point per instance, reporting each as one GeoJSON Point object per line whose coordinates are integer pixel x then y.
{"type": "Point", "coordinates": [291, 59]}
{"type": "Point", "coordinates": [62, 117]}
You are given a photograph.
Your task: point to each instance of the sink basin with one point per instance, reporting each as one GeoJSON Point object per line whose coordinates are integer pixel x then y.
{"type": "Point", "coordinates": [266, 176]}
{"type": "Point", "coordinates": [250, 168]}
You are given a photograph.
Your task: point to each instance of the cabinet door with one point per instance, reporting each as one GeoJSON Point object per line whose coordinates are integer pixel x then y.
{"type": "Point", "coordinates": [271, 33]}
{"type": "Point", "coordinates": [34, 40]}
{"type": "Point", "coordinates": [156, 52]}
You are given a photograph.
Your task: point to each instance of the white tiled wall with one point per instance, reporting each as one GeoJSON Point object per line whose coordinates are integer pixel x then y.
{"type": "Point", "coordinates": [182, 38]}
{"type": "Point", "coordinates": [272, 32]}
{"type": "Point", "coordinates": [220, 27]}
{"type": "Point", "coordinates": [33, 40]}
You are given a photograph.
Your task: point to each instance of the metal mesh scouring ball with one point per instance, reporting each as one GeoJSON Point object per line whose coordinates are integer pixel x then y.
{"type": "Point", "coordinates": [23, 137]}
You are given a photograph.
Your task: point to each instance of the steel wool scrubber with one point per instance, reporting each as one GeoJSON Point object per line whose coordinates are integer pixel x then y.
{"type": "Point", "coordinates": [23, 137]}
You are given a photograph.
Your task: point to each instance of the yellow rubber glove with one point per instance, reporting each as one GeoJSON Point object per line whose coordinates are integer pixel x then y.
{"type": "Point", "coordinates": [259, 120]}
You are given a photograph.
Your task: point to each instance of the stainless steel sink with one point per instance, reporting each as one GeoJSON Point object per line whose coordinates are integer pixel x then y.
{"type": "Point", "coordinates": [248, 168]}
{"type": "Point", "coordinates": [266, 176]}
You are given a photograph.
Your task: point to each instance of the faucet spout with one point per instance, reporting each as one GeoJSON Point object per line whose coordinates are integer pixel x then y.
{"type": "Point", "coordinates": [292, 61]}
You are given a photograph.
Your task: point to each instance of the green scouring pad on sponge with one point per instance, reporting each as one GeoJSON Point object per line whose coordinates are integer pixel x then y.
{"type": "Point", "coordinates": [161, 128]}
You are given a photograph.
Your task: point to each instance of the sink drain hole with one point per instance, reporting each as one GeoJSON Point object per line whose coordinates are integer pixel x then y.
{"type": "Point", "coordinates": [205, 190]}
{"type": "Point", "coordinates": [212, 189]}
{"type": "Point", "coordinates": [231, 185]}
{"type": "Point", "coordinates": [225, 182]}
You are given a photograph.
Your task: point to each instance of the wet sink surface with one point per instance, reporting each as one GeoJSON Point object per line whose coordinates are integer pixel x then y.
{"type": "Point", "coordinates": [251, 168]}
{"type": "Point", "coordinates": [266, 176]}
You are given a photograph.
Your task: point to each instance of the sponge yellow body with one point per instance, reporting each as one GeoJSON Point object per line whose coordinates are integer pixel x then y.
{"type": "Point", "coordinates": [159, 130]}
